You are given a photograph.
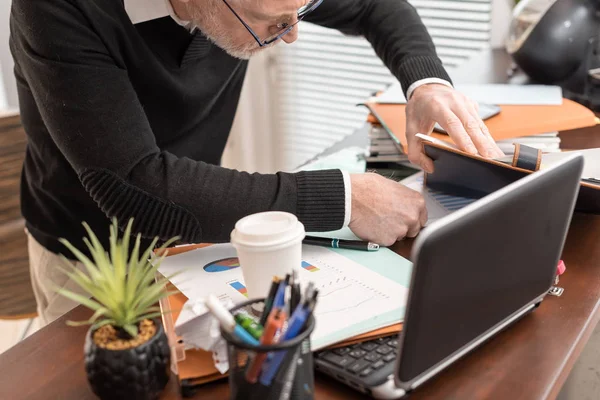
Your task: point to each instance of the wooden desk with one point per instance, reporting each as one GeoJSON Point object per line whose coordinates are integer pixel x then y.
{"type": "Point", "coordinates": [531, 360]}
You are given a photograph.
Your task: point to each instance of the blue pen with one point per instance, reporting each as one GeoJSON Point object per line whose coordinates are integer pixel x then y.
{"type": "Point", "coordinates": [244, 335]}
{"type": "Point", "coordinates": [295, 324]}
{"type": "Point", "coordinates": [279, 301]}
{"type": "Point", "coordinates": [227, 321]}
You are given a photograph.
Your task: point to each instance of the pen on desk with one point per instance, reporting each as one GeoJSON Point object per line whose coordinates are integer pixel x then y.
{"type": "Point", "coordinates": [273, 327]}
{"type": "Point", "coordinates": [341, 243]}
{"type": "Point", "coordinates": [269, 300]}
{"type": "Point", "coordinates": [227, 320]}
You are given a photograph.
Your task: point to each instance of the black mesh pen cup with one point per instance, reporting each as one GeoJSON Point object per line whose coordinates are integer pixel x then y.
{"type": "Point", "coordinates": [291, 378]}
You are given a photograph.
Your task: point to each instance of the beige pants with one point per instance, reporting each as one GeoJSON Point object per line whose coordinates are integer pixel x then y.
{"type": "Point", "coordinates": [45, 278]}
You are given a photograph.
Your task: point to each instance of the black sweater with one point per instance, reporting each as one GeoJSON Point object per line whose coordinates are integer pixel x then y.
{"type": "Point", "coordinates": [131, 120]}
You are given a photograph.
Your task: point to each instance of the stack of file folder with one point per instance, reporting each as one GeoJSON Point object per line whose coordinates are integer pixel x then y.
{"type": "Point", "coordinates": [531, 125]}
{"type": "Point", "coordinates": [385, 155]}
{"type": "Point", "coordinates": [382, 148]}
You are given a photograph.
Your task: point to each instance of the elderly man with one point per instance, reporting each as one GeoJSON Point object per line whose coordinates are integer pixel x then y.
{"type": "Point", "coordinates": [128, 104]}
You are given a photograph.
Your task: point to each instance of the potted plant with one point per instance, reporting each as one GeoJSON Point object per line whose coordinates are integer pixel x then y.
{"type": "Point", "coordinates": [127, 354]}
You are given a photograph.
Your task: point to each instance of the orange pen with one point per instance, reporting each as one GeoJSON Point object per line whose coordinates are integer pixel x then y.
{"type": "Point", "coordinates": [273, 326]}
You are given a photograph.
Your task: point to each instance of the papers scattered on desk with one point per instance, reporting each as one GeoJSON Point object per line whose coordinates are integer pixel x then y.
{"type": "Point", "coordinates": [500, 94]}
{"type": "Point", "coordinates": [353, 299]}
{"type": "Point", "coordinates": [200, 330]}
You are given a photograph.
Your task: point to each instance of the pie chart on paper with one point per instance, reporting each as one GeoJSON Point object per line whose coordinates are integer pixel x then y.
{"type": "Point", "coordinates": [225, 264]}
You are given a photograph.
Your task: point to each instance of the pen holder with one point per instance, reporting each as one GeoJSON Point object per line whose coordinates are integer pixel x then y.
{"type": "Point", "coordinates": [292, 379]}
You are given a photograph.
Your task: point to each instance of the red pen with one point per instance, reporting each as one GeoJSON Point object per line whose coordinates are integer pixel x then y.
{"type": "Point", "coordinates": [272, 328]}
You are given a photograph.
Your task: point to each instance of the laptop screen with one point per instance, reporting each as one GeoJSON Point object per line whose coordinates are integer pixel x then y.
{"type": "Point", "coordinates": [483, 265]}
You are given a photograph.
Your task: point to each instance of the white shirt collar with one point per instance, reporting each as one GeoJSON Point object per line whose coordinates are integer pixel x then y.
{"type": "Point", "coordinates": [146, 10]}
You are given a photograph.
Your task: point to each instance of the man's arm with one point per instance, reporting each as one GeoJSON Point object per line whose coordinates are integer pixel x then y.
{"type": "Point", "coordinates": [92, 113]}
{"type": "Point", "coordinates": [400, 39]}
{"type": "Point", "coordinates": [395, 31]}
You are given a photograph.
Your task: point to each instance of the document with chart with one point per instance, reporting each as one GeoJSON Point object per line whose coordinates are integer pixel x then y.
{"type": "Point", "coordinates": [353, 299]}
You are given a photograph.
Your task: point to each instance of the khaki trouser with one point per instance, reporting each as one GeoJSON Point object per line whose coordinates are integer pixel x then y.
{"type": "Point", "coordinates": [46, 276]}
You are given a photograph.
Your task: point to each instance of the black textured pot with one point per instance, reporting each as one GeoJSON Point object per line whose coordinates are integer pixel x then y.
{"type": "Point", "coordinates": [140, 373]}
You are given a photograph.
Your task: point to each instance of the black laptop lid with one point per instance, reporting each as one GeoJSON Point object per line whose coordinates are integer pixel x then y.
{"type": "Point", "coordinates": [482, 264]}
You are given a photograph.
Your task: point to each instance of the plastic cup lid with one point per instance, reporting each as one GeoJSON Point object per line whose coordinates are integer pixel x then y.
{"type": "Point", "coordinates": [270, 228]}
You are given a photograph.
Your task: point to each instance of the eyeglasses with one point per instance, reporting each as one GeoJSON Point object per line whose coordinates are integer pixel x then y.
{"type": "Point", "coordinates": [285, 28]}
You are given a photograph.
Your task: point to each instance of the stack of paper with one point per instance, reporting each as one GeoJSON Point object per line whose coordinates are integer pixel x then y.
{"type": "Point", "coordinates": [385, 155]}
{"type": "Point", "coordinates": [529, 114]}
{"type": "Point", "coordinates": [383, 148]}
{"type": "Point", "coordinates": [547, 142]}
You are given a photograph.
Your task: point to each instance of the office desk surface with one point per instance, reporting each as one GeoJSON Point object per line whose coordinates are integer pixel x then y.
{"type": "Point", "coordinates": [530, 360]}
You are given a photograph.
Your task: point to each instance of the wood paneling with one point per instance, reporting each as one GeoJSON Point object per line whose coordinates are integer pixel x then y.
{"type": "Point", "coordinates": [16, 295]}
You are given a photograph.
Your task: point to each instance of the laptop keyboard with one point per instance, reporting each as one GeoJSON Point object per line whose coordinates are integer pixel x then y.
{"type": "Point", "coordinates": [363, 359]}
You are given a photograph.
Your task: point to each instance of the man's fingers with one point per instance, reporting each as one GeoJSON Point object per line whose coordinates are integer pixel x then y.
{"type": "Point", "coordinates": [413, 231]}
{"type": "Point", "coordinates": [419, 158]}
{"type": "Point", "coordinates": [497, 152]}
{"type": "Point", "coordinates": [456, 129]}
{"type": "Point", "coordinates": [484, 138]}
{"type": "Point", "coordinates": [426, 163]}
{"type": "Point", "coordinates": [423, 216]}
{"type": "Point", "coordinates": [472, 125]}
{"type": "Point", "coordinates": [416, 155]}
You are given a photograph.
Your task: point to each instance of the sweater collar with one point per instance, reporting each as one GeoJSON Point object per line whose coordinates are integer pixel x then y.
{"type": "Point", "coordinates": [146, 10]}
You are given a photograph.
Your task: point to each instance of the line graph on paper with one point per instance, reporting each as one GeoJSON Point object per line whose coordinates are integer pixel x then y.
{"type": "Point", "coordinates": [346, 289]}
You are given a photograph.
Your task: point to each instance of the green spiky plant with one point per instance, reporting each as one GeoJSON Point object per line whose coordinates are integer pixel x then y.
{"type": "Point", "coordinates": [123, 287]}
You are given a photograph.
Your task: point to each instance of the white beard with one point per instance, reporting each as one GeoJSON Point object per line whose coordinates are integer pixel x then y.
{"type": "Point", "coordinates": [220, 35]}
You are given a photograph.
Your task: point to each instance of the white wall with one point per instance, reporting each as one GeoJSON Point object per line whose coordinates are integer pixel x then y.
{"type": "Point", "coordinates": [253, 137]}
{"type": "Point", "coordinates": [6, 63]}
{"type": "Point", "coordinates": [501, 16]}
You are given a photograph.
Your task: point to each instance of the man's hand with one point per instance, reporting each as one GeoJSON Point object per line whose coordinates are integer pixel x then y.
{"type": "Point", "coordinates": [456, 113]}
{"type": "Point", "coordinates": [384, 211]}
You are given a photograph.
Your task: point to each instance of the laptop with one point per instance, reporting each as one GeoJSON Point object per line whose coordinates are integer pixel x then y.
{"type": "Point", "coordinates": [475, 272]}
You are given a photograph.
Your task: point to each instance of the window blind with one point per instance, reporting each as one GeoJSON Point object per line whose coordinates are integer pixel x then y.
{"type": "Point", "coordinates": [322, 77]}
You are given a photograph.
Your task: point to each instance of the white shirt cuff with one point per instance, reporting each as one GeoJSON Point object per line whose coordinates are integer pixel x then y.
{"type": "Point", "coordinates": [425, 81]}
{"type": "Point", "coordinates": [348, 197]}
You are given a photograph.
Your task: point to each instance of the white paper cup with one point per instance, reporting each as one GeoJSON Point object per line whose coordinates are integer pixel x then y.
{"type": "Point", "coordinates": [268, 244]}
